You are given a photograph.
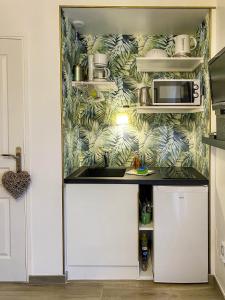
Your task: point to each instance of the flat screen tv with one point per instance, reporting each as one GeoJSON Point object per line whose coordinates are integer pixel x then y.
{"type": "Point", "coordinates": [217, 80]}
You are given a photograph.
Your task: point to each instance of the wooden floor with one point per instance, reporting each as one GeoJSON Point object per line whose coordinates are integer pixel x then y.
{"type": "Point", "coordinates": [110, 290]}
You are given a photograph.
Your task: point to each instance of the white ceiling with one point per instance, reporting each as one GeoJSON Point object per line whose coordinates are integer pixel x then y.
{"type": "Point", "coordinates": [137, 20]}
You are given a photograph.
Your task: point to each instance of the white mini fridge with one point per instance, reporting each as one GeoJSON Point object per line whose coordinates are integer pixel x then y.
{"type": "Point", "coordinates": [180, 234]}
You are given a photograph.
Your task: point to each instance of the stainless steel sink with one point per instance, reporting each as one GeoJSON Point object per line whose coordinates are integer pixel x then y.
{"type": "Point", "coordinates": [103, 172]}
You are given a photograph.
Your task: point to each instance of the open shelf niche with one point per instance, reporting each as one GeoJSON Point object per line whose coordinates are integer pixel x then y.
{"type": "Point", "coordinates": [146, 194]}
{"type": "Point", "coordinates": [168, 64]}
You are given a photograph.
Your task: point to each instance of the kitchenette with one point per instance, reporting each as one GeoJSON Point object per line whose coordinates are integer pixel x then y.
{"type": "Point", "coordinates": [135, 105]}
{"type": "Point", "coordinates": [106, 221]}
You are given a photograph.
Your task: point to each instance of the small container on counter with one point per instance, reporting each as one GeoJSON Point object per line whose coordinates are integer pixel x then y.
{"type": "Point", "coordinates": [77, 73]}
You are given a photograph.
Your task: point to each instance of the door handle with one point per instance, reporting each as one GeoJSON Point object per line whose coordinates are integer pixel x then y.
{"type": "Point", "coordinates": [17, 157]}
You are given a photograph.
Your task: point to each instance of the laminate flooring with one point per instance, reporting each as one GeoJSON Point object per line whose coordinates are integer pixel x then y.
{"type": "Point", "coordinates": [110, 290]}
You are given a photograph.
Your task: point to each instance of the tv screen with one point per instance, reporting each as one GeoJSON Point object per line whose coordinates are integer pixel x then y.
{"type": "Point", "coordinates": [217, 78]}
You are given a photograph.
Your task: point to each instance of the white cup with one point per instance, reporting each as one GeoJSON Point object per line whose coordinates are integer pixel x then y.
{"type": "Point", "coordinates": [182, 45]}
{"type": "Point", "coordinates": [100, 60]}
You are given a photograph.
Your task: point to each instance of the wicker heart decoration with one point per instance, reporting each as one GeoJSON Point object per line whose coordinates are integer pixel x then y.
{"type": "Point", "coordinates": [16, 183]}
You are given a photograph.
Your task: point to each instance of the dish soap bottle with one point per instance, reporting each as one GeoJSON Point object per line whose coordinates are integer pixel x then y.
{"type": "Point", "coordinates": [136, 162]}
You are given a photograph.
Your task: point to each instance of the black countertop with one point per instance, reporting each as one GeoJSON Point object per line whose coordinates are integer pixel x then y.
{"type": "Point", "coordinates": [162, 176]}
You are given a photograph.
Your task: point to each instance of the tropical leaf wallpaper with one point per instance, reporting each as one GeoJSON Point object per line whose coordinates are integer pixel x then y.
{"type": "Point", "coordinates": [89, 126]}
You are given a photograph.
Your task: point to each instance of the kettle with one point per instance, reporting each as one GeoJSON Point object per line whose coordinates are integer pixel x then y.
{"type": "Point", "coordinates": [144, 97]}
{"type": "Point", "coordinates": [182, 45]}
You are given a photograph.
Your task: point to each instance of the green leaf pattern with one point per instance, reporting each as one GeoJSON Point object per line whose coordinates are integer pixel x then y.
{"type": "Point", "coordinates": [89, 125]}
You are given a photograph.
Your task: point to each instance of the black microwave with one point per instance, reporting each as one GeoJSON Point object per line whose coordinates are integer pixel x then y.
{"type": "Point", "coordinates": [176, 92]}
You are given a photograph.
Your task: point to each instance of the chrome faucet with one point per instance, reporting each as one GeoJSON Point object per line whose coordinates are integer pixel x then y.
{"type": "Point", "coordinates": [106, 159]}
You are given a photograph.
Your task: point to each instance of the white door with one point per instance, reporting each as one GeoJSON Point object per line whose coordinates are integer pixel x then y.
{"type": "Point", "coordinates": [101, 231]}
{"type": "Point", "coordinates": [181, 234]}
{"type": "Point", "coordinates": [12, 212]}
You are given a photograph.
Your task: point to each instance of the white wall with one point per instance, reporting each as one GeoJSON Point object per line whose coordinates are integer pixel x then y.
{"type": "Point", "coordinates": [38, 22]}
{"type": "Point", "coordinates": [218, 156]}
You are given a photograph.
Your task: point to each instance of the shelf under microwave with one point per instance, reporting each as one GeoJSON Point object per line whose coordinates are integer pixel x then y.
{"type": "Point", "coordinates": [176, 104]}
{"type": "Point", "coordinates": [153, 109]}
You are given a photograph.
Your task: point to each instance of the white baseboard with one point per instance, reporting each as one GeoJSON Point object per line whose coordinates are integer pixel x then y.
{"type": "Point", "coordinates": [220, 287]}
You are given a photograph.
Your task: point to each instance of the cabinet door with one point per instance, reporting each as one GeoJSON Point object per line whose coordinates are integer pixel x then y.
{"type": "Point", "coordinates": [181, 234]}
{"type": "Point", "coordinates": [101, 224]}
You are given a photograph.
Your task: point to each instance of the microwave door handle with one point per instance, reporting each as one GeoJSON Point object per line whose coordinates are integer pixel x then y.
{"type": "Point", "coordinates": [191, 95]}
{"type": "Point", "coordinates": [188, 93]}
{"type": "Point", "coordinates": [155, 95]}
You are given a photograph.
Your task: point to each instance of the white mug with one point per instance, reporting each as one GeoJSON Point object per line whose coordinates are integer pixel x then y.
{"type": "Point", "coordinates": [101, 74]}
{"type": "Point", "coordinates": [182, 44]}
{"type": "Point", "coordinates": [100, 60]}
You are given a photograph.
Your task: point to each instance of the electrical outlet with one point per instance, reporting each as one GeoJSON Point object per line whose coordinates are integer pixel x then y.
{"type": "Point", "coordinates": [222, 251]}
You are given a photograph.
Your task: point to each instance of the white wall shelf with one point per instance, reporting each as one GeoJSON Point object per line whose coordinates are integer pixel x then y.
{"type": "Point", "coordinates": [101, 86]}
{"type": "Point", "coordinates": [169, 109]}
{"type": "Point", "coordinates": [168, 64]}
{"type": "Point", "coordinates": [148, 227]}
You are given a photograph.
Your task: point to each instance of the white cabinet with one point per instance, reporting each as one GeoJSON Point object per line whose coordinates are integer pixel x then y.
{"type": "Point", "coordinates": [101, 231]}
{"type": "Point", "coordinates": [180, 234]}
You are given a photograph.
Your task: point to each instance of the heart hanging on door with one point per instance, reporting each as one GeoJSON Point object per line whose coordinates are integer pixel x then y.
{"type": "Point", "coordinates": [16, 183]}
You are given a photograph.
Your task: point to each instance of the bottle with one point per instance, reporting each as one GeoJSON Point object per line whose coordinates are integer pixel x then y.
{"type": "Point", "coordinates": [77, 73]}
{"type": "Point", "coordinates": [149, 210]}
{"type": "Point", "coordinates": [144, 251]}
{"type": "Point", "coordinates": [145, 212]}
{"type": "Point", "coordinates": [136, 162]}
